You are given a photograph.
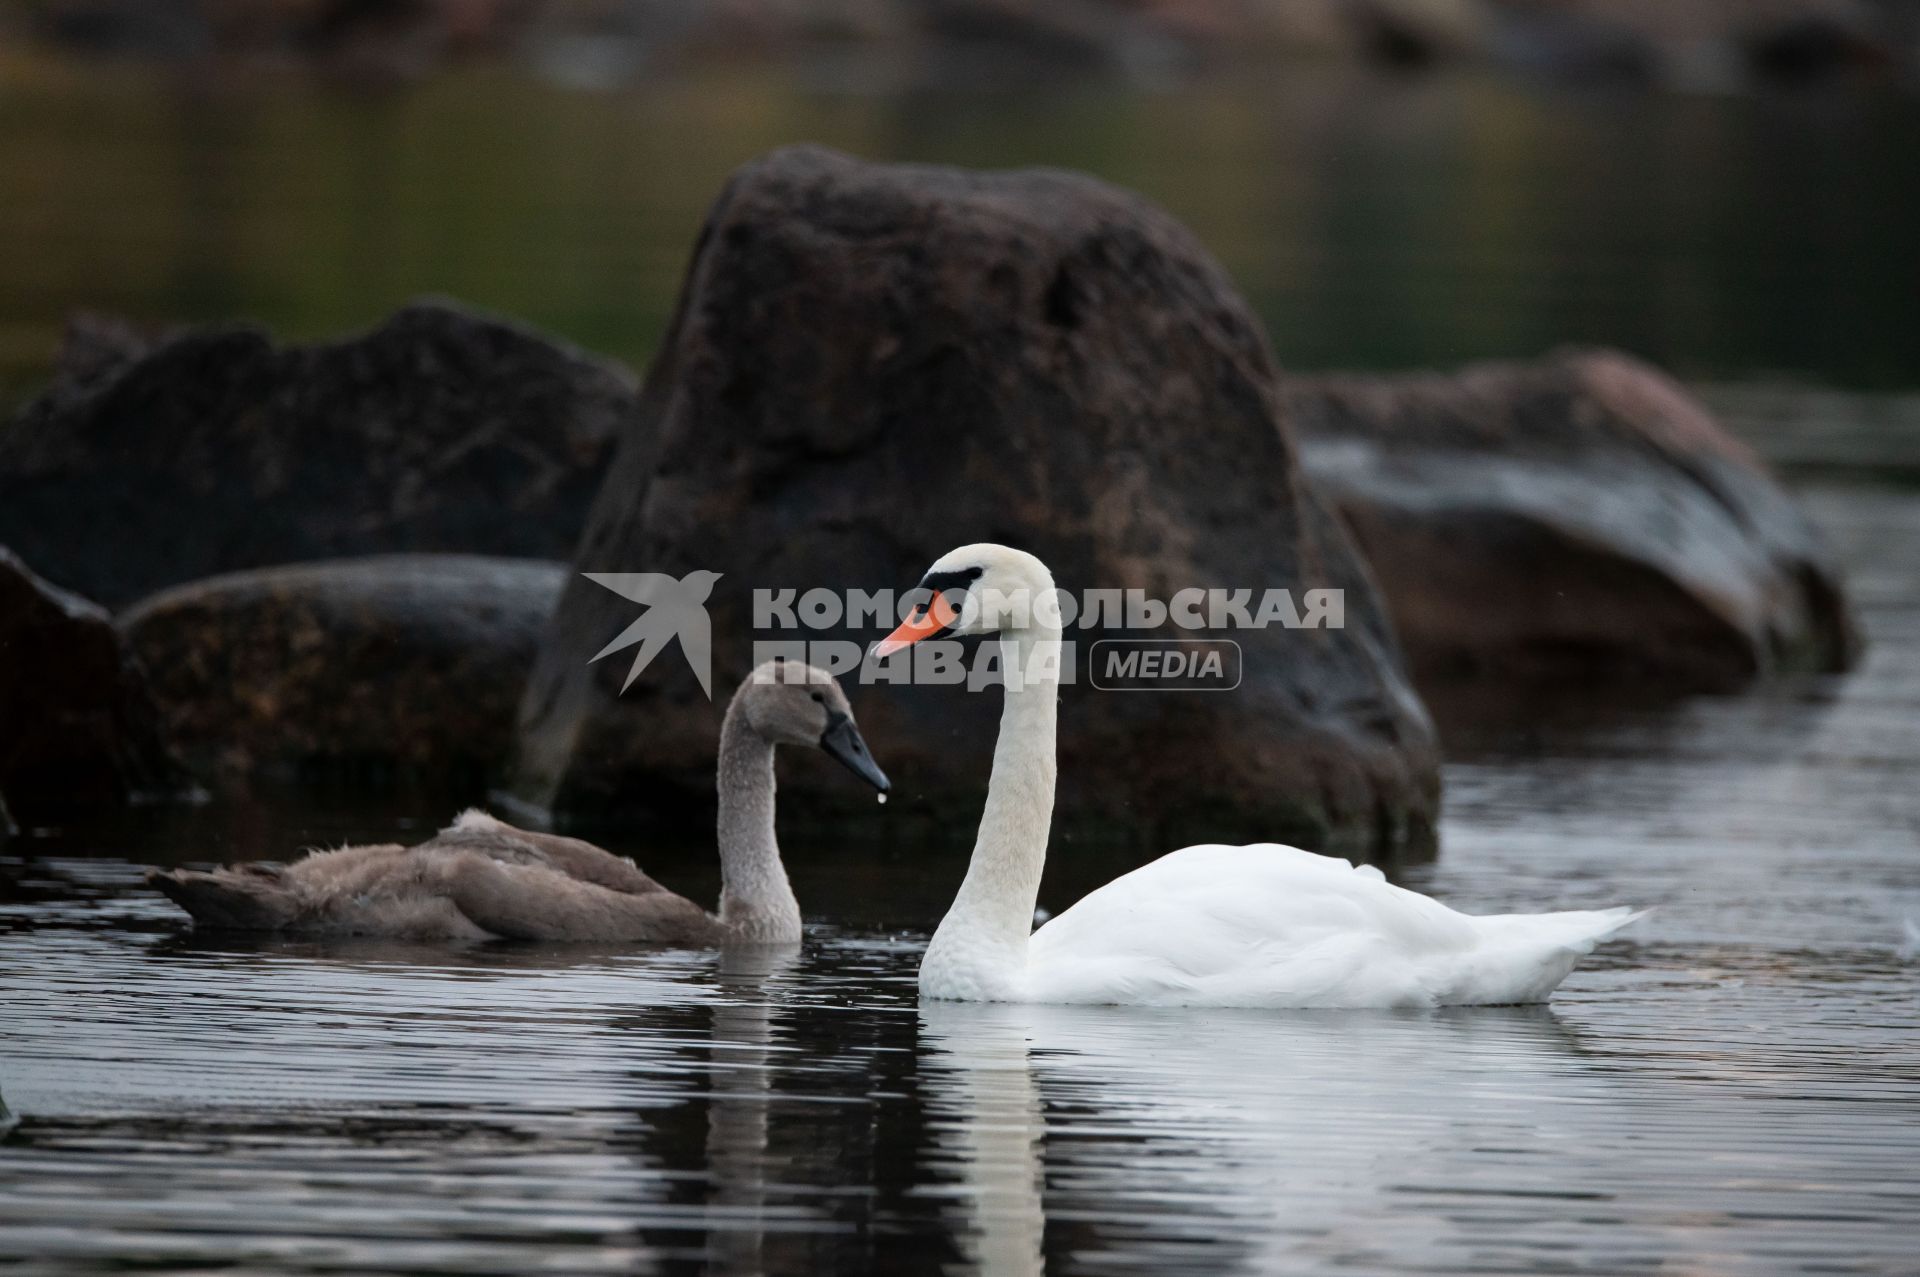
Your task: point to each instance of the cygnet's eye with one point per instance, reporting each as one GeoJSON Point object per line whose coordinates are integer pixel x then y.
{"type": "Point", "coordinates": [818, 698]}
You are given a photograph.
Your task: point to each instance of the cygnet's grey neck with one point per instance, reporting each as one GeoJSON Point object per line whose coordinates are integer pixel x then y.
{"type": "Point", "coordinates": [756, 900]}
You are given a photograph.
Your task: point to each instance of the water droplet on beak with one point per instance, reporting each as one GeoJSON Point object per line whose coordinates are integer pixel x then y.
{"type": "Point", "coordinates": [883, 800]}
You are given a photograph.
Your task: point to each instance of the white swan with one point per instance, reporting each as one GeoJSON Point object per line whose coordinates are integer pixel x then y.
{"type": "Point", "coordinates": [1256, 926]}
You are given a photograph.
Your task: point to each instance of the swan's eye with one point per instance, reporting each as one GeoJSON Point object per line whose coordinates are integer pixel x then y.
{"type": "Point", "coordinates": [819, 699]}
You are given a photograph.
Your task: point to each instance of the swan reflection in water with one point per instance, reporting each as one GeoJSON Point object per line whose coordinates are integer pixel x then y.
{"type": "Point", "coordinates": [598, 1035]}
{"type": "Point", "coordinates": [1240, 1138]}
{"type": "Point", "coordinates": [740, 1081]}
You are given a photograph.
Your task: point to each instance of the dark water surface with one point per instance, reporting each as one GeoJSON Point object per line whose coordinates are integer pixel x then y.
{"type": "Point", "coordinates": [1734, 1086]}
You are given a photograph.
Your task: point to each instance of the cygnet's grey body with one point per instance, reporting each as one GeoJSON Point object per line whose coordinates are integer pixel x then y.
{"type": "Point", "coordinates": [481, 878]}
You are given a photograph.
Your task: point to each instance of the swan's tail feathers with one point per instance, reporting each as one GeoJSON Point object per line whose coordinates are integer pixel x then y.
{"type": "Point", "coordinates": [1576, 931]}
{"type": "Point", "coordinates": [1524, 956]}
{"type": "Point", "coordinates": [250, 898]}
{"type": "Point", "coordinates": [1580, 930]}
{"type": "Point", "coordinates": [1609, 921]}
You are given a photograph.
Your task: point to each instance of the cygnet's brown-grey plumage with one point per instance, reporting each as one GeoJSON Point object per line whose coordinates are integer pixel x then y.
{"type": "Point", "coordinates": [481, 878]}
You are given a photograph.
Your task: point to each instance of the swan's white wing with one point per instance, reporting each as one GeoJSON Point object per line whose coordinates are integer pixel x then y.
{"type": "Point", "coordinates": [1267, 925]}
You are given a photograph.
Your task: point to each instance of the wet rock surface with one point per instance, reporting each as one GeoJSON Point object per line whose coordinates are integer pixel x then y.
{"type": "Point", "coordinates": [79, 726]}
{"type": "Point", "coordinates": [157, 459]}
{"type": "Point", "coordinates": [1580, 518]}
{"type": "Point", "coordinates": [391, 666]}
{"type": "Point", "coordinates": [872, 364]}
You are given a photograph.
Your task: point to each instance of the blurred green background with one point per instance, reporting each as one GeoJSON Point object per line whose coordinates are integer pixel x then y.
{"type": "Point", "coordinates": [1377, 217]}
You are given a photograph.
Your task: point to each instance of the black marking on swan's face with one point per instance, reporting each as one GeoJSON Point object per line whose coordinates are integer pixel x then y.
{"type": "Point", "coordinates": [957, 580]}
{"type": "Point", "coordinates": [953, 586]}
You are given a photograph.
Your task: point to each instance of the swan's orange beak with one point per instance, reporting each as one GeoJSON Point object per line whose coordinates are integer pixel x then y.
{"type": "Point", "coordinates": [935, 618]}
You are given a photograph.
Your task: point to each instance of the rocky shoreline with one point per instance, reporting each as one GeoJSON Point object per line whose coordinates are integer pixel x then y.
{"type": "Point", "coordinates": [350, 555]}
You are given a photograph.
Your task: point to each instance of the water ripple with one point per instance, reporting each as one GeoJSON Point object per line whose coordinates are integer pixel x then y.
{"type": "Point", "coordinates": [1732, 1086]}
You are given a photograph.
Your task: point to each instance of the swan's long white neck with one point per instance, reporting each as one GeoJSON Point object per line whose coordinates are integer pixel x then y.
{"type": "Point", "coordinates": [979, 951]}
{"type": "Point", "coordinates": [756, 900]}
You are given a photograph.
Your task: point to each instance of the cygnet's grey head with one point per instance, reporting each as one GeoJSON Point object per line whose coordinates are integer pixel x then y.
{"type": "Point", "coordinates": [793, 703]}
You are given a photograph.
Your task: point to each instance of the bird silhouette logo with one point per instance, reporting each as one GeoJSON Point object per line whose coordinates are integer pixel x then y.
{"type": "Point", "coordinates": [676, 609]}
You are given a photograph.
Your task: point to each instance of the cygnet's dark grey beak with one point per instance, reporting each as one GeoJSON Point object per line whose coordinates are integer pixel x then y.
{"type": "Point", "coordinates": [842, 740]}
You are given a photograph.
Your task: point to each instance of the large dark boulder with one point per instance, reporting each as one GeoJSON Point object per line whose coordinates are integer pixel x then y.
{"type": "Point", "coordinates": [1579, 520]}
{"type": "Point", "coordinates": [871, 364]}
{"type": "Point", "coordinates": [149, 463]}
{"type": "Point", "coordinates": [77, 726]}
{"type": "Point", "coordinates": [393, 666]}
